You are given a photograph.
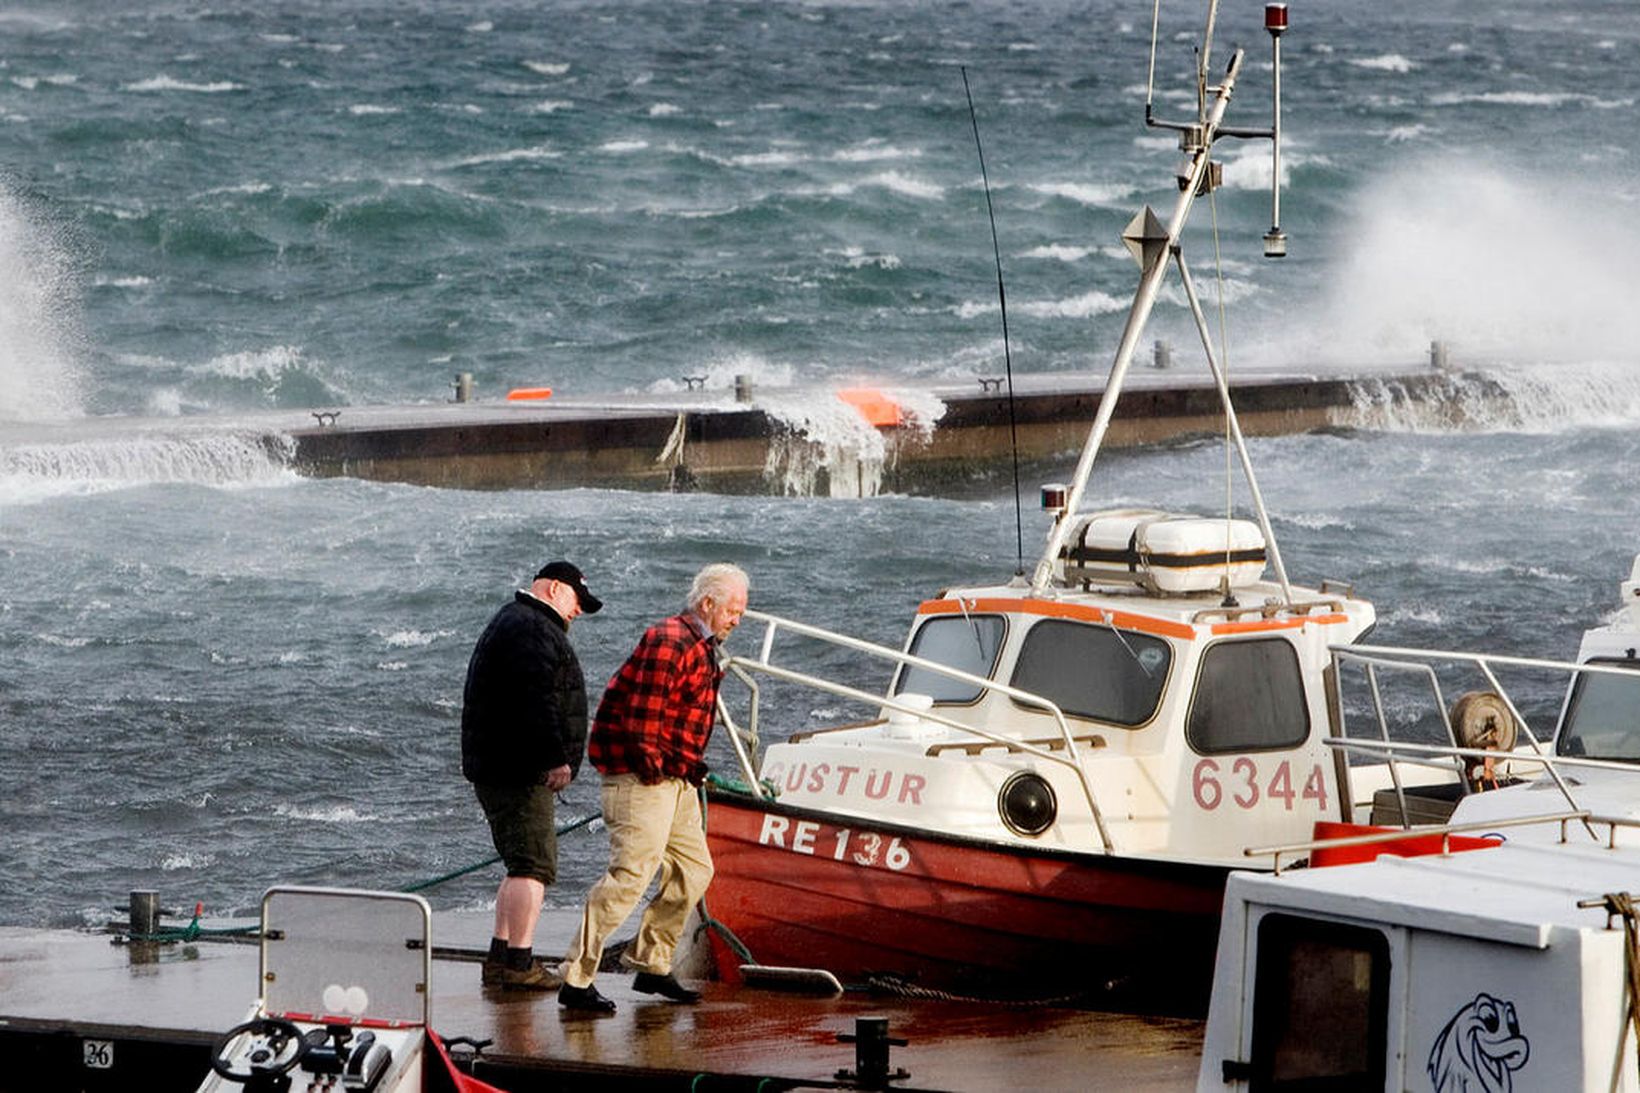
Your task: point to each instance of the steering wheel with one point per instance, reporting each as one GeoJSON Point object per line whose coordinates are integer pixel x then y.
{"type": "Point", "coordinates": [266, 1062]}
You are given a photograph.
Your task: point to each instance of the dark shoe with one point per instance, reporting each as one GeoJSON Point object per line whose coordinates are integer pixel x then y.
{"type": "Point", "coordinates": [584, 998]}
{"type": "Point", "coordinates": [665, 986]}
{"type": "Point", "coordinates": [536, 977]}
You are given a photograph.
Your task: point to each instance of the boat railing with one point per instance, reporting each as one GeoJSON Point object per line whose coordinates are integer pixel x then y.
{"type": "Point", "coordinates": [748, 668]}
{"type": "Point", "coordinates": [1421, 665]}
{"type": "Point", "coordinates": [1444, 832]}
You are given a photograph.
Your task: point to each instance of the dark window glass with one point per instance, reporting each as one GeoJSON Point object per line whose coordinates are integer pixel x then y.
{"type": "Point", "coordinates": [1249, 697]}
{"type": "Point", "coordinates": [1601, 721]}
{"type": "Point", "coordinates": [1320, 1008]}
{"type": "Point", "coordinates": [1094, 671]}
{"type": "Point", "coordinates": [968, 643]}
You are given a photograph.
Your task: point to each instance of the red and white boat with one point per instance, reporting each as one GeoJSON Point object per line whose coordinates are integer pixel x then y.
{"type": "Point", "coordinates": [1056, 773]}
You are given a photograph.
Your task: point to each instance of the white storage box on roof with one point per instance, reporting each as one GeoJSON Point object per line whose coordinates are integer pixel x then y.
{"type": "Point", "coordinates": [1163, 552]}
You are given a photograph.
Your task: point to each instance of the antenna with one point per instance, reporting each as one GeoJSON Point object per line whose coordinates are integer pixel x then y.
{"type": "Point", "coordinates": [1002, 304]}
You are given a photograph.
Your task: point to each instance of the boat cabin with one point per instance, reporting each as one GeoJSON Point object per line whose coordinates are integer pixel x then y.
{"type": "Point", "coordinates": [1497, 968]}
{"type": "Point", "coordinates": [1158, 697]}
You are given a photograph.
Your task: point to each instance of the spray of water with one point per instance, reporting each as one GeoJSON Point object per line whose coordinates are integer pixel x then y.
{"type": "Point", "coordinates": [1497, 264]}
{"type": "Point", "coordinates": [39, 318]}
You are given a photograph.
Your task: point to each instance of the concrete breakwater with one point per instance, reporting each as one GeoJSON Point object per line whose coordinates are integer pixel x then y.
{"type": "Point", "coordinates": [852, 442]}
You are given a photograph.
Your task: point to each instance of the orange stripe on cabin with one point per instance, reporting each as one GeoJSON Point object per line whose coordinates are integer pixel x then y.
{"type": "Point", "coordinates": [1277, 624]}
{"type": "Point", "coordinates": [877, 408]}
{"type": "Point", "coordinates": [519, 394]}
{"type": "Point", "coordinates": [1053, 609]}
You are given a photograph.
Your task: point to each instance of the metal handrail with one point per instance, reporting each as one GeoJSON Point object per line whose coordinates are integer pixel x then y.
{"type": "Point", "coordinates": [1445, 831]}
{"type": "Point", "coordinates": [742, 666]}
{"type": "Point", "coordinates": [1421, 662]}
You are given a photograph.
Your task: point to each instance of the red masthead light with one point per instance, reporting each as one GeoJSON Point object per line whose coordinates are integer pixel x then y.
{"type": "Point", "coordinates": [1275, 18]}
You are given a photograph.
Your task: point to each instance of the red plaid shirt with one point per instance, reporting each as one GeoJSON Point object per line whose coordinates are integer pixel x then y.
{"type": "Point", "coordinates": [657, 713]}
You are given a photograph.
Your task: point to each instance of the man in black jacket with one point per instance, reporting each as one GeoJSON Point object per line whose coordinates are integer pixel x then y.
{"type": "Point", "coordinates": [523, 731]}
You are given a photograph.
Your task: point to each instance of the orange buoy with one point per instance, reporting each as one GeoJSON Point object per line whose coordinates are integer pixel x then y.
{"type": "Point", "coordinates": [521, 394]}
{"type": "Point", "coordinates": [877, 408]}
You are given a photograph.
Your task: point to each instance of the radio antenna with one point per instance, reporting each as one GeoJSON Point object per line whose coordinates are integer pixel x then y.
{"type": "Point", "coordinates": [1002, 304]}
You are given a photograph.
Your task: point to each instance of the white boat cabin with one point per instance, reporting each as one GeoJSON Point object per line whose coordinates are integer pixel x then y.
{"type": "Point", "coordinates": [1491, 969]}
{"type": "Point", "coordinates": [1157, 698]}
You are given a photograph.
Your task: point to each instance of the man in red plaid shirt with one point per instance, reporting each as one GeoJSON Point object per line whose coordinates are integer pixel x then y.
{"type": "Point", "coordinates": [649, 741]}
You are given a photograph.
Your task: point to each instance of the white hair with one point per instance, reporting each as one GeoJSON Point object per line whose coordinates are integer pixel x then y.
{"type": "Point", "coordinates": [719, 580]}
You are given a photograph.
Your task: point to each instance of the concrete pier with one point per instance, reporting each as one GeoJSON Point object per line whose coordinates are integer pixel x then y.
{"type": "Point", "coordinates": [706, 440]}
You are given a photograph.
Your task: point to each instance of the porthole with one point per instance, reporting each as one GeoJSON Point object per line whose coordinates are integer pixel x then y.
{"type": "Point", "coordinates": [1027, 803]}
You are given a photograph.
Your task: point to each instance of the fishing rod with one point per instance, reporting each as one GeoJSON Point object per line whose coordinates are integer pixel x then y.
{"type": "Point", "coordinates": [1002, 305]}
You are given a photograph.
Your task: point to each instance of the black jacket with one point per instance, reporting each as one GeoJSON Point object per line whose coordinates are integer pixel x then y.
{"type": "Point", "coordinates": [524, 709]}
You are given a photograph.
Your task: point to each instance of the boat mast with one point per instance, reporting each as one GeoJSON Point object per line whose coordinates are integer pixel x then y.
{"type": "Point", "coordinates": [1155, 244]}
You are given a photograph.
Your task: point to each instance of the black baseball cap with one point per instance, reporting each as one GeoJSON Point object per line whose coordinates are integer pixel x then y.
{"type": "Point", "coordinates": [563, 571]}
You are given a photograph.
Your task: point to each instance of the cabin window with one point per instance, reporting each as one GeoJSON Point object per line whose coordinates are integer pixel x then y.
{"type": "Point", "coordinates": [1320, 1006]}
{"type": "Point", "coordinates": [1249, 697]}
{"type": "Point", "coordinates": [1099, 672]}
{"type": "Point", "coordinates": [968, 643]}
{"type": "Point", "coordinates": [1600, 715]}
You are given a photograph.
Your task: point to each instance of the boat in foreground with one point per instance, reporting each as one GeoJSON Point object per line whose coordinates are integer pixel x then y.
{"type": "Point", "coordinates": [1054, 775]}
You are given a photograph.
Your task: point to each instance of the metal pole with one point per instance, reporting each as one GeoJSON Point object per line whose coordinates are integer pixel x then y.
{"type": "Point", "coordinates": [1235, 427]}
{"type": "Point", "coordinates": [1150, 285]}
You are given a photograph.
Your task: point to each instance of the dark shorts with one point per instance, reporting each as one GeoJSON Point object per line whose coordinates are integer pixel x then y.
{"type": "Point", "coordinates": [522, 827]}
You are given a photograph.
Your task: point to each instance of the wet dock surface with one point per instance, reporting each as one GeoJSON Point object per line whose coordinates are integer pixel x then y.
{"type": "Point", "coordinates": [60, 989]}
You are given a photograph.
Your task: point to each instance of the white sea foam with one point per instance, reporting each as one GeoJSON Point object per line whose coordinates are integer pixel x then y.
{"type": "Point", "coordinates": [39, 471]}
{"type": "Point", "coordinates": [907, 185]}
{"type": "Point", "coordinates": [40, 327]}
{"type": "Point", "coordinates": [166, 83]}
{"type": "Point", "coordinates": [547, 68]}
{"type": "Point", "coordinates": [370, 109]}
{"type": "Point", "coordinates": [512, 155]}
{"type": "Point", "coordinates": [1482, 259]}
{"type": "Point", "coordinates": [1549, 99]}
{"type": "Point", "coordinates": [409, 639]}
{"type": "Point", "coordinates": [1387, 62]}
{"type": "Point", "coordinates": [664, 110]}
{"type": "Point", "coordinates": [1058, 252]}
{"type": "Point", "coordinates": [325, 814]}
{"type": "Point", "coordinates": [621, 147]}
{"type": "Point", "coordinates": [1086, 193]}
{"type": "Point", "coordinates": [186, 859]}
{"type": "Point", "coordinates": [550, 106]}
{"type": "Point", "coordinates": [1084, 306]}
{"type": "Point", "coordinates": [874, 152]}
{"type": "Point", "coordinates": [483, 26]}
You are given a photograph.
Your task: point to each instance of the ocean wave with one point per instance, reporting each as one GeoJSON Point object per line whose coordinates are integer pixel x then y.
{"type": "Point", "coordinates": [1529, 98]}
{"type": "Point", "coordinates": [1086, 193]}
{"type": "Point", "coordinates": [550, 106]}
{"type": "Point", "coordinates": [1058, 252]}
{"type": "Point", "coordinates": [370, 110]}
{"type": "Point", "coordinates": [906, 185]}
{"type": "Point", "coordinates": [1545, 398]}
{"type": "Point", "coordinates": [410, 639]}
{"type": "Point", "coordinates": [547, 68]}
{"type": "Point", "coordinates": [166, 83]}
{"type": "Point", "coordinates": [873, 152]}
{"type": "Point", "coordinates": [1387, 62]}
{"type": "Point", "coordinates": [622, 147]}
{"type": "Point", "coordinates": [1084, 306]}
{"type": "Point", "coordinates": [664, 110]}
{"type": "Point", "coordinates": [39, 471]}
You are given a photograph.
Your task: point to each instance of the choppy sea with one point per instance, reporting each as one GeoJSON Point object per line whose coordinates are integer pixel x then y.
{"type": "Point", "coordinates": [216, 675]}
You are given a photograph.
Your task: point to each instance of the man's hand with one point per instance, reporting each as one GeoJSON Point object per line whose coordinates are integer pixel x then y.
{"type": "Point", "coordinates": [558, 777]}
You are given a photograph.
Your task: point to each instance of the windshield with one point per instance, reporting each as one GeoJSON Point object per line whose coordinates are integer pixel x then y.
{"type": "Point", "coordinates": [1099, 672]}
{"type": "Point", "coordinates": [1603, 715]}
{"type": "Point", "coordinates": [968, 643]}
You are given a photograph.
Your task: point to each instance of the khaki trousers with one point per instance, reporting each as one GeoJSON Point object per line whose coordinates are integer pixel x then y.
{"type": "Point", "coordinates": [650, 828]}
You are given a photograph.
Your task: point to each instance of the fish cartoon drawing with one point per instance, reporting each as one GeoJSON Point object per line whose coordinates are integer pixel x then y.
{"type": "Point", "coordinates": [1479, 1050]}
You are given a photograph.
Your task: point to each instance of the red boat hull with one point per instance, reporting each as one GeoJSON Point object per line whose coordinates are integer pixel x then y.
{"type": "Point", "coordinates": [863, 900]}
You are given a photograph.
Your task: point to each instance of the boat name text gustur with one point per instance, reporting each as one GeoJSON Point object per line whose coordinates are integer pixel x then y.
{"type": "Point", "coordinates": [875, 784]}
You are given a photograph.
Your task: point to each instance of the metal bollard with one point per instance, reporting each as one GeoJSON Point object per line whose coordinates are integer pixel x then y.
{"type": "Point", "coordinates": [463, 386]}
{"type": "Point", "coordinates": [1438, 355]}
{"type": "Point", "coordinates": [1161, 355]}
{"type": "Point", "coordinates": [144, 912]}
{"type": "Point", "coordinates": [871, 1043]}
{"type": "Point", "coordinates": [743, 388]}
